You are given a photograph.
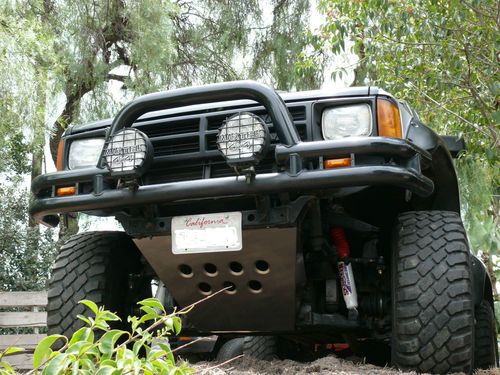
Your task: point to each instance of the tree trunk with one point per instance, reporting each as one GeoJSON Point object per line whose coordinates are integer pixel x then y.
{"type": "Point", "coordinates": [68, 226]}
{"type": "Point", "coordinates": [362, 70]}
{"type": "Point", "coordinates": [39, 130]}
{"type": "Point", "coordinates": [65, 118]}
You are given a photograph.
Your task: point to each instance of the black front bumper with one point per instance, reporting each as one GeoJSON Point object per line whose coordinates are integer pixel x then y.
{"type": "Point", "coordinates": [401, 169]}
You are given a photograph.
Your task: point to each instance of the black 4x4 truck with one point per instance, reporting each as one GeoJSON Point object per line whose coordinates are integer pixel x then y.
{"type": "Point", "coordinates": [328, 216]}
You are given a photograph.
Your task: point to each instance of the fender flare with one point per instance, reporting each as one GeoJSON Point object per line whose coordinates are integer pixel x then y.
{"type": "Point", "coordinates": [481, 282]}
{"type": "Point", "coordinates": [440, 170]}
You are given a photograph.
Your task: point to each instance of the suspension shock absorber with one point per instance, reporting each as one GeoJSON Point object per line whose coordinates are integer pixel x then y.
{"type": "Point", "coordinates": [347, 283]}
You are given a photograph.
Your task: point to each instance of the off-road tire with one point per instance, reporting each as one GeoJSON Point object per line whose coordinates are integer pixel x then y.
{"type": "Point", "coordinates": [485, 351]}
{"type": "Point", "coordinates": [94, 266]}
{"type": "Point", "coordinates": [433, 311]}
{"type": "Point", "coordinates": [260, 347]}
{"type": "Point", "coordinates": [230, 349]}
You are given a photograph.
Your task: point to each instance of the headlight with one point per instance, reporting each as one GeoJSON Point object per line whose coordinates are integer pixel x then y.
{"type": "Point", "coordinates": [347, 121]}
{"type": "Point", "coordinates": [129, 150]}
{"type": "Point", "coordinates": [243, 138]}
{"type": "Point", "coordinates": [84, 153]}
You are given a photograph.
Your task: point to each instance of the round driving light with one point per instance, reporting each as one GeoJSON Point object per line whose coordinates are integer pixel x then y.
{"type": "Point", "coordinates": [128, 151]}
{"type": "Point", "coordinates": [243, 139]}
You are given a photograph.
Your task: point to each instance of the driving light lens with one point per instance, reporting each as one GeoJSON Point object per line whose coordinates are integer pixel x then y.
{"type": "Point", "coordinates": [127, 151]}
{"type": "Point", "coordinates": [84, 153]}
{"type": "Point", "coordinates": [347, 121]}
{"type": "Point", "coordinates": [242, 136]}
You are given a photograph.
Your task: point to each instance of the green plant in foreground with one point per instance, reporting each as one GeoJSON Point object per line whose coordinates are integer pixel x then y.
{"type": "Point", "coordinates": [5, 367]}
{"type": "Point", "coordinates": [98, 349]}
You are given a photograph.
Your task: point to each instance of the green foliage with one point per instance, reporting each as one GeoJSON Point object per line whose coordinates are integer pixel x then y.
{"type": "Point", "coordinates": [5, 367]}
{"type": "Point", "coordinates": [477, 197]}
{"type": "Point", "coordinates": [479, 183]}
{"type": "Point", "coordinates": [26, 253]}
{"type": "Point", "coordinates": [20, 43]}
{"type": "Point", "coordinates": [96, 348]}
{"type": "Point", "coordinates": [281, 45]}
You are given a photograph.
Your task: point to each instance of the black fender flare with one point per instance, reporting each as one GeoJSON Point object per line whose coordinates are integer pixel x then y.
{"type": "Point", "coordinates": [440, 170]}
{"type": "Point", "coordinates": [481, 282]}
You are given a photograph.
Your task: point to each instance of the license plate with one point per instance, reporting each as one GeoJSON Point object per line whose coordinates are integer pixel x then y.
{"type": "Point", "coordinates": [206, 233]}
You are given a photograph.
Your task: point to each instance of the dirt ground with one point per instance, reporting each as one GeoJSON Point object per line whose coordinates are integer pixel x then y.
{"type": "Point", "coordinates": [327, 365]}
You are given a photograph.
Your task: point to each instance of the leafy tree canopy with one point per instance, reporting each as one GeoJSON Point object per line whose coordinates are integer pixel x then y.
{"type": "Point", "coordinates": [20, 43]}
{"type": "Point", "coordinates": [26, 253]}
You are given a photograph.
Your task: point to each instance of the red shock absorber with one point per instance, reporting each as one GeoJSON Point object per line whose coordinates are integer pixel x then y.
{"type": "Point", "coordinates": [339, 239]}
{"type": "Point", "coordinates": [337, 235]}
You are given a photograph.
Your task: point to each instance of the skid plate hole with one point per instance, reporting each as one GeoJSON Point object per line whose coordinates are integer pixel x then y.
{"type": "Point", "coordinates": [185, 270]}
{"type": "Point", "coordinates": [262, 266]}
{"type": "Point", "coordinates": [251, 217]}
{"type": "Point", "coordinates": [255, 286]}
{"type": "Point", "coordinates": [210, 269]}
{"type": "Point", "coordinates": [231, 286]}
{"type": "Point", "coordinates": [205, 288]}
{"type": "Point", "coordinates": [236, 268]}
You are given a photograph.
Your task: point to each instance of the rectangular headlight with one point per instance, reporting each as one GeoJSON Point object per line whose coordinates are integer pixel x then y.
{"type": "Point", "coordinates": [84, 153]}
{"type": "Point", "coordinates": [347, 121]}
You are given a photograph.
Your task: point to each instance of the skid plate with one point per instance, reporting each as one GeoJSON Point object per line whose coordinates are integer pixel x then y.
{"type": "Point", "coordinates": [264, 298]}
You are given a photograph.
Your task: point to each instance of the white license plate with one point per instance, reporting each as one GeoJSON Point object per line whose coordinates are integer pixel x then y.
{"type": "Point", "coordinates": [206, 233]}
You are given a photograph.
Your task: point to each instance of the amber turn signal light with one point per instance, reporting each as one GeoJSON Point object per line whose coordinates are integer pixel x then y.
{"type": "Point", "coordinates": [389, 121]}
{"type": "Point", "coordinates": [337, 163]}
{"type": "Point", "coordinates": [65, 191]}
{"type": "Point", "coordinates": [60, 151]}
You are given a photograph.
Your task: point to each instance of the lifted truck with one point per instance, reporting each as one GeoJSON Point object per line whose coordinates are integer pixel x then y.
{"type": "Point", "coordinates": [328, 216]}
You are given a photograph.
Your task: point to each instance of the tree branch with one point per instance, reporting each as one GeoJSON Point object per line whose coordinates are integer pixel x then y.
{"type": "Point", "coordinates": [116, 77]}
{"type": "Point", "coordinates": [74, 93]}
{"type": "Point", "coordinates": [414, 44]}
{"type": "Point", "coordinates": [475, 126]}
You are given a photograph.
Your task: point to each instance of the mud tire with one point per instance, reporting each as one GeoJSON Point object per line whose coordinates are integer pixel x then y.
{"type": "Point", "coordinates": [94, 266]}
{"type": "Point", "coordinates": [433, 311]}
{"type": "Point", "coordinates": [260, 347]}
{"type": "Point", "coordinates": [230, 349]}
{"type": "Point", "coordinates": [485, 351]}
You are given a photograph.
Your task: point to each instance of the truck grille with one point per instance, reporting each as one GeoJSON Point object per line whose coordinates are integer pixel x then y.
{"type": "Point", "coordinates": [185, 147]}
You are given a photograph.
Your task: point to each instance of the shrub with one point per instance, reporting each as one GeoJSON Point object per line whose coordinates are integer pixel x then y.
{"type": "Point", "coordinates": [98, 349]}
